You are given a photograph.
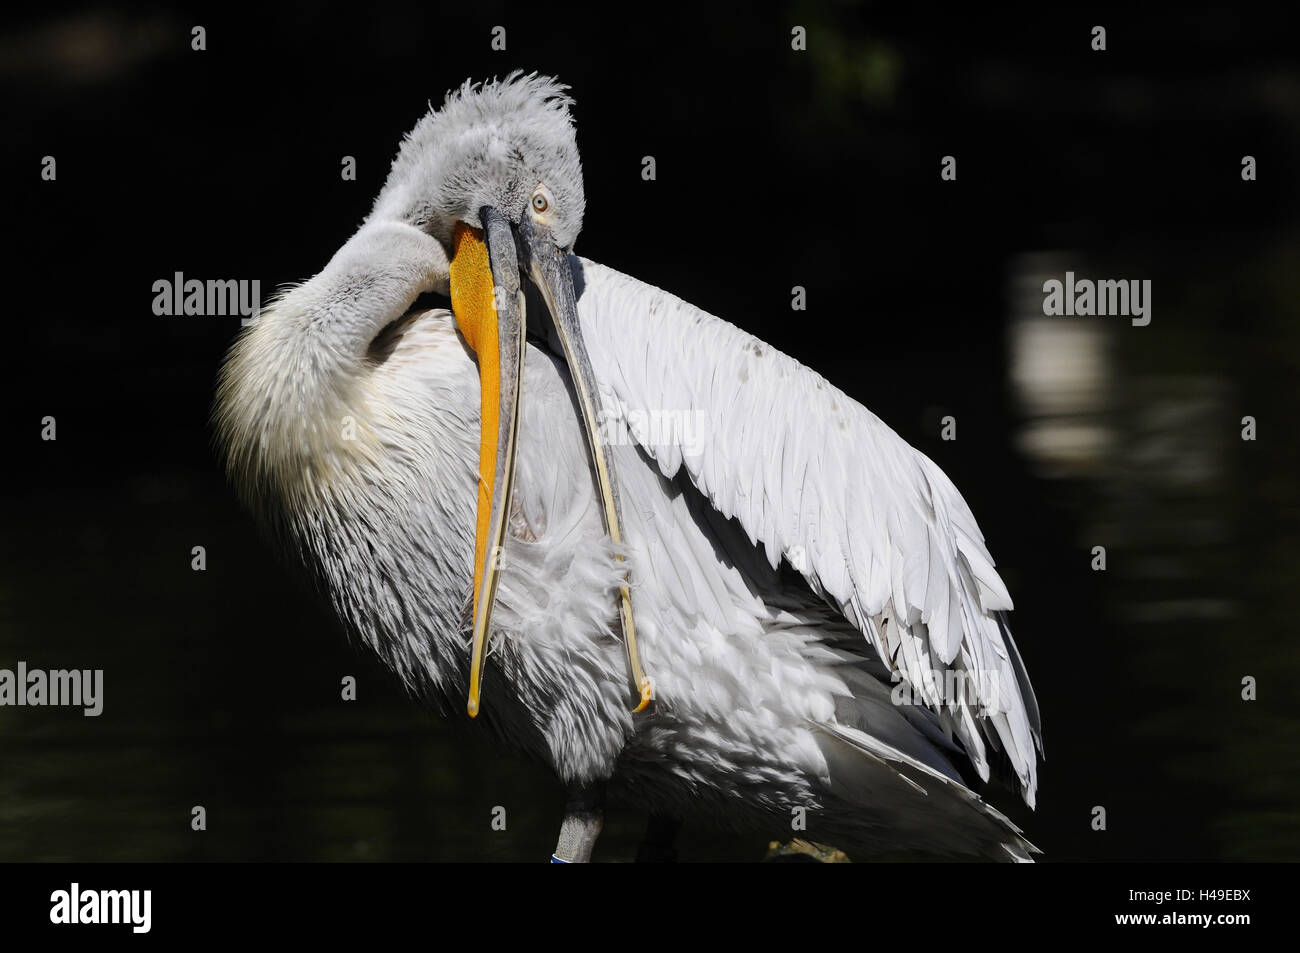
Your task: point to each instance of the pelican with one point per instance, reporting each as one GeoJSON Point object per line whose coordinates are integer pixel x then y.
{"type": "Point", "coordinates": [616, 532]}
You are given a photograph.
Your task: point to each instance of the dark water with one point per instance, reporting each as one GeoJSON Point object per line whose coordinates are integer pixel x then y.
{"type": "Point", "coordinates": [223, 686]}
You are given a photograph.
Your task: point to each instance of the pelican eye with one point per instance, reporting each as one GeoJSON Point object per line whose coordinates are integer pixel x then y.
{"type": "Point", "coordinates": [540, 202]}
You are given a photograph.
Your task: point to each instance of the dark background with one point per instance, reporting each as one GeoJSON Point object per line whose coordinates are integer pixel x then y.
{"type": "Point", "coordinates": [775, 168]}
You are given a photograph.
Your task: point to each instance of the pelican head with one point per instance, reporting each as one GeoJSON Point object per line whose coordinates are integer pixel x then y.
{"type": "Point", "coordinates": [495, 177]}
{"type": "Point", "coordinates": [507, 145]}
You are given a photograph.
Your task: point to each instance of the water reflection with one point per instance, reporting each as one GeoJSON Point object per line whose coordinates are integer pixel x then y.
{"type": "Point", "coordinates": [1136, 433]}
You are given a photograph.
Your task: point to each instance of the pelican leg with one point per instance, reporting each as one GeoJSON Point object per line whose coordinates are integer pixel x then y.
{"type": "Point", "coordinates": [584, 814]}
{"type": "Point", "coordinates": [657, 845]}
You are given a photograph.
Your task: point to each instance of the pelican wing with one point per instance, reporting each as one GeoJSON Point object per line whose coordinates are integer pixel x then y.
{"type": "Point", "coordinates": [819, 481]}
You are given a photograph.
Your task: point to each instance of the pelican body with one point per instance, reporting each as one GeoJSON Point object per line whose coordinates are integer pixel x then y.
{"type": "Point", "coordinates": [755, 616]}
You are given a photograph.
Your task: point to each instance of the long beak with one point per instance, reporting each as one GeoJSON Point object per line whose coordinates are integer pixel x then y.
{"type": "Point", "coordinates": [489, 309]}
{"type": "Point", "coordinates": [548, 266]}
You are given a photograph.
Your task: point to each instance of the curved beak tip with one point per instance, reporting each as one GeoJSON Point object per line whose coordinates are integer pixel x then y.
{"type": "Point", "coordinates": [647, 696]}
